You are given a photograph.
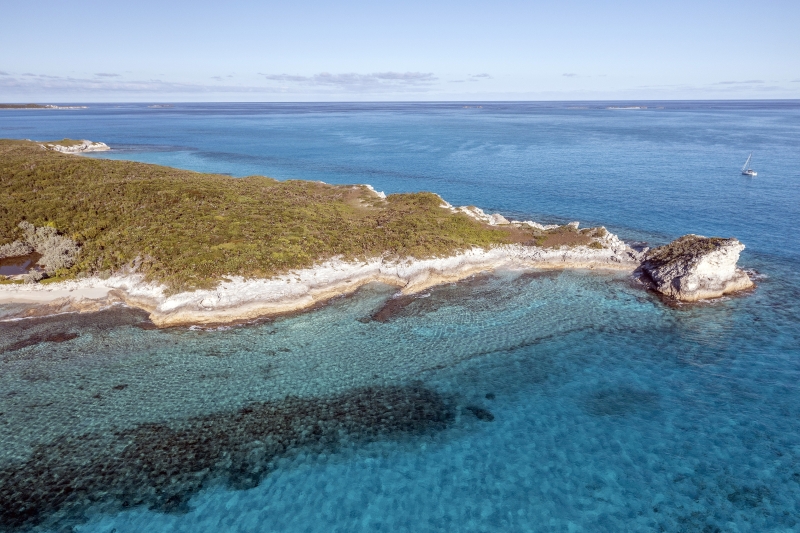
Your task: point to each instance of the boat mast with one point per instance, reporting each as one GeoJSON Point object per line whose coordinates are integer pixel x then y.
{"type": "Point", "coordinates": [747, 163]}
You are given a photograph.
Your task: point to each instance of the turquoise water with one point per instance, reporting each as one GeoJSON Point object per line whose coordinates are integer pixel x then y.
{"type": "Point", "coordinates": [548, 401]}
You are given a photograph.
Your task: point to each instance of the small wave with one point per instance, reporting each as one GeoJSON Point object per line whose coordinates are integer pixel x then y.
{"type": "Point", "coordinates": [755, 275]}
{"type": "Point", "coordinates": [211, 328]}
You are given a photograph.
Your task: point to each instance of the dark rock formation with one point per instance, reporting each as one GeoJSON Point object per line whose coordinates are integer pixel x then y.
{"type": "Point", "coordinates": [480, 413]}
{"type": "Point", "coordinates": [161, 465]}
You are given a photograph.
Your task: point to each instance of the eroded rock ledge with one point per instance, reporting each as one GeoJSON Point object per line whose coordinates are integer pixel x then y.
{"type": "Point", "coordinates": [237, 298]}
{"type": "Point", "coordinates": [68, 146]}
{"type": "Point", "coordinates": [694, 268]}
{"type": "Point", "coordinates": [690, 268]}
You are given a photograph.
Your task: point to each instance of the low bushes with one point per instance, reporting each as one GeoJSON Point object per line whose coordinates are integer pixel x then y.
{"type": "Point", "coordinates": [15, 249]}
{"type": "Point", "coordinates": [57, 252]}
{"type": "Point", "coordinates": [189, 229]}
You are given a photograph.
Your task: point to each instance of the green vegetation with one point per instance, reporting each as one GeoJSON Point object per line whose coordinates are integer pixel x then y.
{"type": "Point", "coordinates": [63, 142]}
{"type": "Point", "coordinates": [569, 236]}
{"type": "Point", "coordinates": [688, 246]}
{"type": "Point", "coordinates": [47, 281]}
{"type": "Point", "coordinates": [188, 229]}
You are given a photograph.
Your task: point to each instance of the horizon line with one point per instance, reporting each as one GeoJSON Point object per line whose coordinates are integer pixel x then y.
{"type": "Point", "coordinates": [52, 102]}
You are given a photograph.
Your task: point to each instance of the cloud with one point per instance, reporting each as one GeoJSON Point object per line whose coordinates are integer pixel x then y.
{"type": "Point", "coordinates": [727, 88]}
{"type": "Point", "coordinates": [796, 81]}
{"type": "Point", "coordinates": [570, 75]}
{"type": "Point", "coordinates": [46, 76]}
{"type": "Point", "coordinates": [407, 77]}
{"type": "Point", "coordinates": [379, 81]}
{"type": "Point", "coordinates": [747, 82]}
{"type": "Point", "coordinates": [4, 73]}
{"type": "Point", "coordinates": [285, 77]}
{"type": "Point", "coordinates": [479, 77]}
{"type": "Point", "coordinates": [32, 83]}
{"type": "Point", "coordinates": [473, 78]}
{"type": "Point", "coordinates": [323, 83]}
{"type": "Point", "coordinates": [106, 75]}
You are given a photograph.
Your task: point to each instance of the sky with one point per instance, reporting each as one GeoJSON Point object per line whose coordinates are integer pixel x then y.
{"type": "Point", "coordinates": [307, 50]}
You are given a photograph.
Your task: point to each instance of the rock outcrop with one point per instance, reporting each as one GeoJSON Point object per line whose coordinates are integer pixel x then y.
{"type": "Point", "coordinates": [496, 219]}
{"type": "Point", "coordinates": [238, 299]}
{"type": "Point", "coordinates": [78, 147]}
{"type": "Point", "coordinates": [695, 268]}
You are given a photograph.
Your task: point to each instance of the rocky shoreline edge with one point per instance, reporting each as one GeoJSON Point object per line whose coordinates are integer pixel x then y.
{"type": "Point", "coordinates": [695, 268]}
{"type": "Point", "coordinates": [237, 299]}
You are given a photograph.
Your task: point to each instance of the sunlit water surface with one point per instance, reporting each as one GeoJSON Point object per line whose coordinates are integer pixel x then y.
{"type": "Point", "coordinates": [544, 401]}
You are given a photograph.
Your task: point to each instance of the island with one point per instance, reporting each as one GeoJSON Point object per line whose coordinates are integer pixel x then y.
{"type": "Point", "coordinates": [71, 146]}
{"type": "Point", "coordinates": [23, 106]}
{"type": "Point", "coordinates": [39, 106]}
{"type": "Point", "coordinates": [194, 248]}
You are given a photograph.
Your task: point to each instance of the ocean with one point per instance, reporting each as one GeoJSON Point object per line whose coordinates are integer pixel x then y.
{"type": "Point", "coordinates": [540, 401]}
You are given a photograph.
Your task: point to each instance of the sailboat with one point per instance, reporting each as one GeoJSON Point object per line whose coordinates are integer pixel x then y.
{"type": "Point", "coordinates": [746, 170]}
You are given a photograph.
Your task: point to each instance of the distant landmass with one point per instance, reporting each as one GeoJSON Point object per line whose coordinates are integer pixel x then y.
{"type": "Point", "coordinates": [39, 106]}
{"type": "Point", "coordinates": [23, 106]}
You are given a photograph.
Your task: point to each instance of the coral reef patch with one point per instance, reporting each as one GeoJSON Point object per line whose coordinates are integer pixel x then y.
{"type": "Point", "coordinates": [37, 339]}
{"type": "Point", "coordinates": [161, 465]}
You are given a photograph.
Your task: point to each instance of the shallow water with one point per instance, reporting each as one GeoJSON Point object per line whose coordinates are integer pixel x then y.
{"type": "Point", "coordinates": [11, 266]}
{"type": "Point", "coordinates": [545, 401]}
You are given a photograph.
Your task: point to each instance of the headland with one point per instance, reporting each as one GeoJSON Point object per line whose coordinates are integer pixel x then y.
{"type": "Point", "coordinates": [194, 248]}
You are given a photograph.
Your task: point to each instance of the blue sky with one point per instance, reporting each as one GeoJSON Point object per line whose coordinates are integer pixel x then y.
{"type": "Point", "coordinates": [380, 50]}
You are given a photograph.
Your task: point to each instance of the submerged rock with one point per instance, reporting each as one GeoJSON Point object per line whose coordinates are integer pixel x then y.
{"type": "Point", "coordinates": [694, 268]}
{"type": "Point", "coordinates": [480, 413]}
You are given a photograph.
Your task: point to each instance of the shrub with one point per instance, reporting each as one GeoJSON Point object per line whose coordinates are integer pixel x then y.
{"type": "Point", "coordinates": [689, 246]}
{"type": "Point", "coordinates": [33, 276]}
{"type": "Point", "coordinates": [15, 249]}
{"type": "Point", "coordinates": [57, 251]}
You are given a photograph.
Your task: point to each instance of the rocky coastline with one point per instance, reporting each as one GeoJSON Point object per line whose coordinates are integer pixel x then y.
{"type": "Point", "coordinates": [238, 299]}
{"type": "Point", "coordinates": [689, 269]}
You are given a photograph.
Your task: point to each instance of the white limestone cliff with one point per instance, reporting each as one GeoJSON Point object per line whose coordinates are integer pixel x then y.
{"type": "Point", "coordinates": [695, 268]}
{"type": "Point", "coordinates": [77, 148]}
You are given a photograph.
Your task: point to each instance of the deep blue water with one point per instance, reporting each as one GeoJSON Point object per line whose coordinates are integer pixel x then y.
{"type": "Point", "coordinates": [609, 410]}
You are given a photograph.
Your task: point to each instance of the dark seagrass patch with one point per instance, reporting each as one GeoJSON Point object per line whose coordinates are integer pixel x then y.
{"type": "Point", "coordinates": [161, 465]}
{"type": "Point", "coordinates": [40, 338]}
